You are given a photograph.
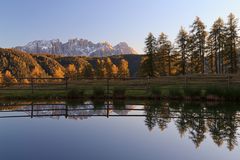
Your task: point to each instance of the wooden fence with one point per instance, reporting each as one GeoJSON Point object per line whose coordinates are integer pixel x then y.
{"type": "Point", "coordinates": [140, 83]}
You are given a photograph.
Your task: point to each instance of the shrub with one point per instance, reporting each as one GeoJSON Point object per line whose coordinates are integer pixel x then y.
{"type": "Point", "coordinates": [232, 93]}
{"type": "Point", "coordinates": [75, 93]}
{"type": "Point", "coordinates": [98, 91]}
{"type": "Point", "coordinates": [176, 92]}
{"type": "Point", "coordinates": [119, 92]}
{"type": "Point", "coordinates": [192, 92]}
{"type": "Point", "coordinates": [156, 92]}
{"type": "Point", "coordinates": [215, 91]}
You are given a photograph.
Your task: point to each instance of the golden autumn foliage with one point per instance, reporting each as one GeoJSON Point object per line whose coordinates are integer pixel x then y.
{"type": "Point", "coordinates": [123, 71]}
{"type": "Point", "coordinates": [1, 77]}
{"type": "Point", "coordinates": [101, 71]}
{"type": "Point", "coordinates": [8, 78]}
{"type": "Point", "coordinates": [36, 72]}
{"type": "Point", "coordinates": [71, 71]}
{"type": "Point", "coordinates": [58, 73]}
{"type": "Point", "coordinates": [24, 65]}
{"type": "Point", "coordinates": [114, 71]}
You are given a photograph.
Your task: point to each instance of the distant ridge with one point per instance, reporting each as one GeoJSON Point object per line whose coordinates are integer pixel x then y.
{"type": "Point", "coordinates": [77, 47]}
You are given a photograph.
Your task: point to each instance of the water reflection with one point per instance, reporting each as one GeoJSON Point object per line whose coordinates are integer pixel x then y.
{"type": "Point", "coordinates": [194, 120]}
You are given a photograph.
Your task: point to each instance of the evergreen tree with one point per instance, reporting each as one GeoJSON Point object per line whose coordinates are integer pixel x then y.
{"type": "Point", "coordinates": [198, 44]}
{"type": "Point", "coordinates": [182, 42]}
{"type": "Point", "coordinates": [150, 50]}
{"type": "Point", "coordinates": [231, 43]}
{"type": "Point", "coordinates": [163, 57]}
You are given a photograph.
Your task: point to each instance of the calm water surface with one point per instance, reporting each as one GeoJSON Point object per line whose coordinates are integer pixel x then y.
{"type": "Point", "coordinates": [119, 130]}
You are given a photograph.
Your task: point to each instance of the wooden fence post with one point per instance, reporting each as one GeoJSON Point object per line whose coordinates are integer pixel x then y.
{"type": "Point", "coordinates": [66, 83]}
{"type": "Point", "coordinates": [66, 111]}
{"type": "Point", "coordinates": [148, 81]}
{"type": "Point", "coordinates": [32, 84]}
{"type": "Point", "coordinates": [186, 79]}
{"type": "Point", "coordinates": [108, 89]}
{"type": "Point", "coordinates": [32, 110]}
{"type": "Point", "coordinates": [228, 81]}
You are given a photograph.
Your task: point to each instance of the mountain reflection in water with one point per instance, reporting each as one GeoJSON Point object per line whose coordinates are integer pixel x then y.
{"type": "Point", "coordinates": [220, 120]}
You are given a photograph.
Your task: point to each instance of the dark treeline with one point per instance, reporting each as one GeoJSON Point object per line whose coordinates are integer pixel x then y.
{"type": "Point", "coordinates": [195, 52]}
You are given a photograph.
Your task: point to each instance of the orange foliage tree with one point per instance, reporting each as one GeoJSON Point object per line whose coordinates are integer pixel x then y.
{"type": "Point", "coordinates": [123, 70]}
{"type": "Point", "coordinates": [71, 71]}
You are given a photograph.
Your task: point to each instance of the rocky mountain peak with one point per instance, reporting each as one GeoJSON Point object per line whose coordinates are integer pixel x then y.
{"type": "Point", "coordinates": [77, 47]}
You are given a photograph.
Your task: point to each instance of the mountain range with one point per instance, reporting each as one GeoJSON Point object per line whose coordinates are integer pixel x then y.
{"type": "Point", "coordinates": [77, 47]}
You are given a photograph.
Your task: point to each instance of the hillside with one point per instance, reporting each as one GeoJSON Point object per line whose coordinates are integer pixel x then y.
{"type": "Point", "coordinates": [20, 64]}
{"type": "Point", "coordinates": [23, 64]}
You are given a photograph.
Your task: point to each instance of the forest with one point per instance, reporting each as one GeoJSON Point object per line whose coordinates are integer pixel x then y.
{"type": "Point", "coordinates": [15, 64]}
{"type": "Point", "coordinates": [195, 52]}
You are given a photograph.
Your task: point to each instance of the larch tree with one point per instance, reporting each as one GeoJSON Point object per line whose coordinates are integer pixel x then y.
{"type": "Point", "coordinates": [1, 78]}
{"type": "Point", "coordinates": [123, 70]}
{"type": "Point", "coordinates": [88, 71]}
{"type": "Point", "coordinates": [36, 72]}
{"type": "Point", "coordinates": [182, 42]}
{"type": "Point", "coordinates": [71, 71]}
{"type": "Point", "coordinates": [231, 42]}
{"type": "Point", "coordinates": [114, 71]}
{"type": "Point", "coordinates": [198, 45]}
{"type": "Point", "coordinates": [217, 39]}
{"type": "Point", "coordinates": [108, 65]}
{"type": "Point", "coordinates": [101, 70]}
{"type": "Point", "coordinates": [58, 73]}
{"type": "Point", "coordinates": [149, 66]}
{"type": "Point", "coordinates": [163, 55]}
{"type": "Point", "coordinates": [210, 56]}
{"type": "Point", "coordinates": [8, 78]}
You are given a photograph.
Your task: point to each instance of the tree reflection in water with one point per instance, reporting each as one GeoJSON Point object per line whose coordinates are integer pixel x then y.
{"type": "Point", "coordinates": [220, 120]}
{"type": "Point", "coordinates": [195, 119]}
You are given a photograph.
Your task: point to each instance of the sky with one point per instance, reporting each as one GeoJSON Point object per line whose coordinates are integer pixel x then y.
{"type": "Point", "coordinates": [22, 21]}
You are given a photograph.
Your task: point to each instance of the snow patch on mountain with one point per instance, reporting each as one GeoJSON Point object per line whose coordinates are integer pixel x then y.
{"type": "Point", "coordinates": [77, 47]}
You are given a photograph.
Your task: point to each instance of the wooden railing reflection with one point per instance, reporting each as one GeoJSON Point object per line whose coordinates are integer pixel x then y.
{"type": "Point", "coordinates": [64, 110]}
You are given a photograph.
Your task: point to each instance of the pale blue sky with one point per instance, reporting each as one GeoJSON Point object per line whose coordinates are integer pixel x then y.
{"type": "Point", "coordinates": [104, 20]}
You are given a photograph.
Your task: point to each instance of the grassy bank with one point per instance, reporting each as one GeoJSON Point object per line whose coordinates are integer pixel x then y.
{"type": "Point", "coordinates": [207, 93]}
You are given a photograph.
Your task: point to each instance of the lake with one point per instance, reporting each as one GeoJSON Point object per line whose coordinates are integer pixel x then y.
{"type": "Point", "coordinates": [119, 130]}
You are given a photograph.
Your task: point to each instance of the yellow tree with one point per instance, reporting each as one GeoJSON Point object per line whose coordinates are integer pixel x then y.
{"type": "Point", "coordinates": [71, 71]}
{"type": "Point", "coordinates": [123, 70]}
{"type": "Point", "coordinates": [109, 65]}
{"type": "Point", "coordinates": [1, 78]}
{"type": "Point", "coordinates": [36, 72]}
{"type": "Point", "coordinates": [114, 71]}
{"type": "Point", "coordinates": [101, 69]}
{"type": "Point", "coordinates": [8, 78]}
{"type": "Point", "coordinates": [58, 73]}
{"type": "Point", "coordinates": [81, 70]}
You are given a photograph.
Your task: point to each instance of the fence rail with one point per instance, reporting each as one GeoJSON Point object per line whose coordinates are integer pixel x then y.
{"type": "Point", "coordinates": [136, 83]}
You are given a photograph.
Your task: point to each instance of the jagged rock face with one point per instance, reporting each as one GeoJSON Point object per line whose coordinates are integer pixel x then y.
{"type": "Point", "coordinates": [77, 47]}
